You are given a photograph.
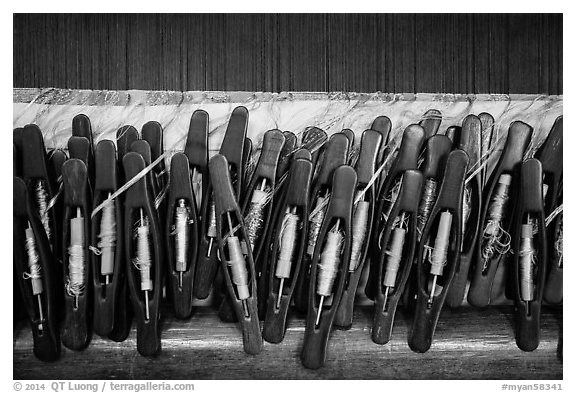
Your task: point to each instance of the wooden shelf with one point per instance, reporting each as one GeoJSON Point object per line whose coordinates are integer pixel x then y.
{"type": "Point", "coordinates": [469, 344]}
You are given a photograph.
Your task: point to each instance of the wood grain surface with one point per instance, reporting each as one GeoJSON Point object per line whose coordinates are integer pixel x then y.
{"type": "Point", "coordinates": [392, 53]}
{"type": "Point", "coordinates": [469, 344]}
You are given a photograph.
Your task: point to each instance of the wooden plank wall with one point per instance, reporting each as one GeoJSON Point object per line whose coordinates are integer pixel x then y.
{"type": "Point", "coordinates": [453, 53]}
{"type": "Point", "coordinates": [468, 344]}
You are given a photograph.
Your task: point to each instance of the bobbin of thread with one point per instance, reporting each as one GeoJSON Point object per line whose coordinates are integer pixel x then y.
{"type": "Point", "coordinates": [496, 239]}
{"type": "Point", "coordinates": [316, 223]}
{"type": "Point", "coordinates": [407, 159]}
{"type": "Point", "coordinates": [143, 261]}
{"type": "Point", "coordinates": [76, 268]}
{"type": "Point", "coordinates": [144, 258]}
{"type": "Point", "coordinates": [110, 304]}
{"type": "Point", "coordinates": [441, 244]}
{"type": "Point", "coordinates": [145, 253]}
{"type": "Point", "coordinates": [496, 210]}
{"type": "Point", "coordinates": [530, 254]}
{"type": "Point", "coordinates": [440, 251]}
{"type": "Point", "coordinates": [287, 238]}
{"type": "Point", "coordinates": [470, 141]}
{"type": "Point", "coordinates": [230, 225]}
{"type": "Point", "coordinates": [394, 257]}
{"type": "Point", "coordinates": [335, 156]}
{"type": "Point", "coordinates": [239, 273]}
{"type": "Point", "coordinates": [107, 240]}
{"type": "Point", "coordinates": [287, 244]}
{"type": "Point", "coordinates": [211, 233]}
{"type": "Point", "coordinates": [181, 232]}
{"type": "Point", "coordinates": [236, 149]}
{"type": "Point", "coordinates": [328, 266]}
{"type": "Point", "coordinates": [526, 255]}
{"type": "Point", "coordinates": [237, 265]}
{"type": "Point", "coordinates": [395, 263]}
{"type": "Point", "coordinates": [75, 286]}
{"type": "Point", "coordinates": [437, 149]}
{"type": "Point", "coordinates": [181, 235]}
{"type": "Point", "coordinates": [35, 173]}
{"type": "Point", "coordinates": [428, 198]}
{"type": "Point", "coordinates": [254, 219]}
{"type": "Point", "coordinates": [31, 247]}
{"type": "Point", "coordinates": [359, 229]}
{"type": "Point", "coordinates": [492, 248]}
{"type": "Point", "coordinates": [287, 247]}
{"type": "Point", "coordinates": [443, 231]}
{"type": "Point", "coordinates": [257, 208]}
{"type": "Point", "coordinates": [392, 266]}
{"type": "Point", "coordinates": [35, 274]}
{"type": "Point", "coordinates": [330, 260]}
{"type": "Point", "coordinates": [182, 238]}
{"type": "Point", "coordinates": [41, 197]}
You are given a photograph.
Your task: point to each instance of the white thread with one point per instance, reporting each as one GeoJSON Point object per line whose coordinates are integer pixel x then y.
{"type": "Point", "coordinates": [466, 208]}
{"type": "Point", "coordinates": [359, 229]}
{"type": "Point", "coordinates": [239, 273]}
{"type": "Point", "coordinates": [484, 160]}
{"type": "Point", "coordinates": [394, 257]}
{"type": "Point", "coordinates": [182, 234]}
{"type": "Point", "coordinates": [75, 285]}
{"type": "Point", "coordinates": [95, 250]}
{"type": "Point", "coordinates": [496, 239]}
{"type": "Point", "coordinates": [329, 261]}
{"type": "Point", "coordinates": [35, 275]}
{"type": "Point", "coordinates": [160, 175]}
{"type": "Point", "coordinates": [390, 199]}
{"type": "Point", "coordinates": [553, 215]}
{"type": "Point", "coordinates": [212, 231]}
{"type": "Point", "coordinates": [41, 196]}
{"type": "Point", "coordinates": [440, 251]}
{"type": "Point", "coordinates": [196, 178]}
{"type": "Point", "coordinates": [254, 219]}
{"type": "Point", "coordinates": [527, 259]}
{"type": "Point", "coordinates": [426, 203]}
{"type": "Point", "coordinates": [143, 260]}
{"type": "Point", "coordinates": [313, 144]}
{"type": "Point", "coordinates": [212, 220]}
{"type": "Point", "coordinates": [161, 195]}
{"type": "Point", "coordinates": [107, 239]}
{"type": "Point", "coordinates": [287, 245]}
{"type": "Point", "coordinates": [54, 199]}
{"type": "Point", "coordinates": [316, 224]}
{"type": "Point", "coordinates": [558, 244]}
